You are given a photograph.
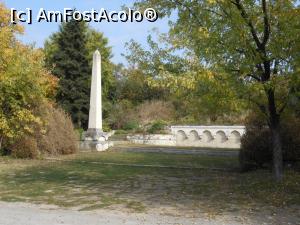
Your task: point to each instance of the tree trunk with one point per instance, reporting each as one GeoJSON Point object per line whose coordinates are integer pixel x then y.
{"type": "Point", "coordinates": [274, 125]}
{"type": "Point", "coordinates": [277, 153]}
{"type": "Point", "coordinates": [1, 139]}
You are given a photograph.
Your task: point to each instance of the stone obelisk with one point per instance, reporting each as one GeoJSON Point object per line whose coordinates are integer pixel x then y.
{"type": "Point", "coordinates": [95, 114]}
{"type": "Point", "coordinates": [94, 137]}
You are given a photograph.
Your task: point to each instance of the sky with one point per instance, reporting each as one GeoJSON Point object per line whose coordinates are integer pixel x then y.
{"type": "Point", "coordinates": [117, 33]}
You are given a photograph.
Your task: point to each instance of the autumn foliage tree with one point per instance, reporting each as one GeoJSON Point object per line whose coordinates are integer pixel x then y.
{"type": "Point", "coordinates": [256, 43]}
{"type": "Point", "coordinates": [199, 94]}
{"type": "Point", "coordinates": [24, 82]}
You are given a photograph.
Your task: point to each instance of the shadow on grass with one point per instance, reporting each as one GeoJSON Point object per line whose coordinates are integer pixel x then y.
{"type": "Point", "coordinates": [87, 186]}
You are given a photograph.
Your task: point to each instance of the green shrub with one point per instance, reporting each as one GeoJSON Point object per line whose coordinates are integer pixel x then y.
{"type": "Point", "coordinates": [256, 145]}
{"type": "Point", "coordinates": [131, 125]}
{"type": "Point", "coordinates": [105, 126]}
{"type": "Point", "coordinates": [157, 127]}
{"type": "Point", "coordinates": [120, 114]}
{"type": "Point", "coordinates": [291, 140]}
{"type": "Point", "coordinates": [4, 151]}
{"type": "Point", "coordinates": [140, 130]}
{"type": "Point", "coordinates": [79, 132]}
{"type": "Point", "coordinates": [155, 110]}
{"type": "Point", "coordinates": [118, 132]}
{"type": "Point", "coordinates": [256, 149]}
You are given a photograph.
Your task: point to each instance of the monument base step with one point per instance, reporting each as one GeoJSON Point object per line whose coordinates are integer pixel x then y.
{"type": "Point", "coordinates": [92, 145]}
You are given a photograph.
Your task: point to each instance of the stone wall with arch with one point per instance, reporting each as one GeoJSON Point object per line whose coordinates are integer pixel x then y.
{"type": "Point", "coordinates": [195, 136]}
{"type": "Point", "coordinates": [209, 136]}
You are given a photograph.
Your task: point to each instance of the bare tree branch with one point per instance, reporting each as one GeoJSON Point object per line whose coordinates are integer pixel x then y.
{"type": "Point", "coordinates": [245, 16]}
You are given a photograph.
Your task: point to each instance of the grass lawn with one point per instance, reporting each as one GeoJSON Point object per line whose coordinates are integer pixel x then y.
{"type": "Point", "coordinates": [86, 182]}
{"type": "Point", "coordinates": [158, 159]}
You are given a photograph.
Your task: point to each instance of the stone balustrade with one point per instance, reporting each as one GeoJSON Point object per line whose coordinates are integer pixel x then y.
{"type": "Point", "coordinates": [208, 136]}
{"type": "Point", "coordinates": [195, 136]}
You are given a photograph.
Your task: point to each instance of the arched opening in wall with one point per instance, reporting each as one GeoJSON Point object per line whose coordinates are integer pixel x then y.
{"type": "Point", "coordinates": [235, 137]}
{"type": "Point", "coordinates": [207, 137]}
{"type": "Point", "coordinates": [181, 136]}
{"type": "Point", "coordinates": [194, 136]}
{"type": "Point", "coordinates": [221, 137]}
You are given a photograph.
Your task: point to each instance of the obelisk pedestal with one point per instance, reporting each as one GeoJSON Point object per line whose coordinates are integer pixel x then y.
{"type": "Point", "coordinates": [94, 137]}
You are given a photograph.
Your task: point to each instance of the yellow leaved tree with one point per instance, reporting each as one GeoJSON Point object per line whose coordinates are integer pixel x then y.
{"type": "Point", "coordinates": [24, 83]}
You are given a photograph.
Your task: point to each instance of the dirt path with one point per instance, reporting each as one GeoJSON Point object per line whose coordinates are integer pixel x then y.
{"type": "Point", "coordinates": [30, 214]}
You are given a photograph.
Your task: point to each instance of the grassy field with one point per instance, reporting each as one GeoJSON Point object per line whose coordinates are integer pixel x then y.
{"type": "Point", "coordinates": [157, 159]}
{"type": "Point", "coordinates": [88, 181]}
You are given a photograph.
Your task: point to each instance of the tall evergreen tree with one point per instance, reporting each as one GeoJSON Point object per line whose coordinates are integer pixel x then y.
{"type": "Point", "coordinates": [71, 47]}
{"type": "Point", "coordinates": [72, 68]}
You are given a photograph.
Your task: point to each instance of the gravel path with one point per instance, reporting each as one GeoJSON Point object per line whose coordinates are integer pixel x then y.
{"type": "Point", "coordinates": [30, 214]}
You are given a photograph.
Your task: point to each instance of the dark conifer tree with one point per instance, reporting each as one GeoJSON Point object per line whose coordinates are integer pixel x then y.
{"type": "Point", "coordinates": [72, 68]}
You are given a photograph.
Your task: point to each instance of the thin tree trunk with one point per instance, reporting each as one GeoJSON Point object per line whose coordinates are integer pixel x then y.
{"type": "Point", "coordinates": [274, 124]}
{"type": "Point", "coordinates": [277, 154]}
{"type": "Point", "coordinates": [1, 139]}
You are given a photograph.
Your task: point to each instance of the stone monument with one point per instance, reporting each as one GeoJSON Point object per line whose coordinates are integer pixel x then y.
{"type": "Point", "coordinates": [94, 137]}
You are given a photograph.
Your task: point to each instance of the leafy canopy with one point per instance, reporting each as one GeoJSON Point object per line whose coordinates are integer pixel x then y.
{"type": "Point", "coordinates": [255, 43]}
{"type": "Point", "coordinates": [24, 82]}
